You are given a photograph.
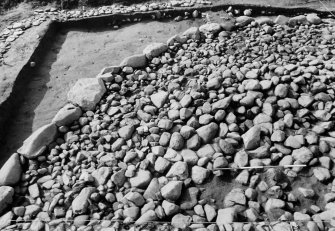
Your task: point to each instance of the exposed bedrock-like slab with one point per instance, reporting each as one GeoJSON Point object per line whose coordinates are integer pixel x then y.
{"type": "Point", "coordinates": [87, 92]}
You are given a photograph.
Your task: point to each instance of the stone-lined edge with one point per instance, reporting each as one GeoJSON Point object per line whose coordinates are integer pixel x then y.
{"type": "Point", "coordinates": [94, 89]}
{"type": "Point", "coordinates": [7, 104]}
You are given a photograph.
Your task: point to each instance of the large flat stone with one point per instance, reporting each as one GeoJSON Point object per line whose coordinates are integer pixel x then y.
{"type": "Point", "coordinates": [36, 143]}
{"type": "Point", "coordinates": [10, 173]}
{"type": "Point", "coordinates": [155, 49]}
{"type": "Point", "coordinates": [67, 115]}
{"type": "Point", "coordinates": [135, 61]}
{"type": "Point", "coordinates": [86, 93]}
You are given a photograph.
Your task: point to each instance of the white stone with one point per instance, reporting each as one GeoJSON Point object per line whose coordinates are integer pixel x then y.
{"type": "Point", "coordinates": [67, 115]}
{"type": "Point", "coordinates": [86, 93]}
{"type": "Point", "coordinates": [135, 61]}
{"type": "Point", "coordinates": [155, 49]}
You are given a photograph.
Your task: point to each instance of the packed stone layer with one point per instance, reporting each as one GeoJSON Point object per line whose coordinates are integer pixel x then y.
{"type": "Point", "coordinates": [140, 143]}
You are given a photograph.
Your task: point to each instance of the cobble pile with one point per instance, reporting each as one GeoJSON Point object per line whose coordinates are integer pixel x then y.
{"type": "Point", "coordinates": [136, 143]}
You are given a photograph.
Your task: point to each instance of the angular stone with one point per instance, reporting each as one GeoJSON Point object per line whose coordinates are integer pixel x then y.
{"type": "Point", "coordinates": [226, 147]}
{"type": "Point", "coordinates": [148, 216]}
{"type": "Point", "coordinates": [134, 61]}
{"type": "Point", "coordinates": [322, 115]}
{"type": "Point", "coordinates": [322, 174]}
{"type": "Point", "coordinates": [192, 33]}
{"type": "Point", "coordinates": [141, 179]}
{"type": "Point", "coordinates": [189, 198]}
{"type": "Point", "coordinates": [159, 98]}
{"type": "Point", "coordinates": [208, 132]}
{"type": "Point", "coordinates": [305, 100]}
{"type": "Point", "coordinates": [161, 164]}
{"type": "Point", "coordinates": [251, 138]}
{"type": "Point", "coordinates": [80, 220]}
{"type": "Point", "coordinates": [297, 20]}
{"type": "Point", "coordinates": [176, 141]}
{"type": "Point", "coordinates": [80, 203]}
{"type": "Point", "coordinates": [132, 212]}
{"type": "Point", "coordinates": [281, 19]}
{"type": "Point", "coordinates": [303, 155]}
{"type": "Point", "coordinates": [67, 115]}
{"type": "Point", "coordinates": [278, 136]}
{"type": "Point", "coordinates": [6, 220]}
{"type": "Point", "coordinates": [281, 90]}
{"type": "Point", "coordinates": [118, 178]}
{"type": "Point", "coordinates": [10, 173]}
{"type": "Point", "coordinates": [226, 216]}
{"type": "Point", "coordinates": [206, 151]}
{"type": "Point", "coordinates": [126, 132]}
{"type": "Point", "coordinates": [6, 197]}
{"type": "Point", "coordinates": [152, 190]}
{"type": "Point", "coordinates": [241, 158]}
{"type": "Point", "coordinates": [170, 208]}
{"type": "Point", "coordinates": [273, 203]}
{"type": "Point", "coordinates": [34, 191]}
{"type": "Point", "coordinates": [86, 93]}
{"type": "Point", "coordinates": [313, 19]}
{"type": "Point", "coordinates": [172, 190]}
{"type": "Point", "coordinates": [235, 197]}
{"type": "Point", "coordinates": [135, 197]}
{"type": "Point", "coordinates": [189, 156]}
{"type": "Point", "coordinates": [210, 212]}
{"type": "Point", "coordinates": [155, 49]}
{"type": "Point", "coordinates": [36, 143]}
{"type": "Point", "coordinates": [244, 20]}
{"type": "Point", "coordinates": [222, 103]}
{"type": "Point", "coordinates": [181, 221]}
{"type": "Point", "coordinates": [101, 175]}
{"type": "Point", "coordinates": [210, 28]}
{"type": "Point", "coordinates": [165, 124]}
{"type": "Point", "coordinates": [179, 170]}
{"type": "Point", "coordinates": [199, 174]}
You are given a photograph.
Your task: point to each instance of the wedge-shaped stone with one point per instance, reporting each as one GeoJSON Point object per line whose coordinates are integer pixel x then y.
{"type": "Point", "coordinates": [10, 173]}
{"type": "Point", "coordinates": [67, 115]}
{"type": "Point", "coordinates": [6, 197]}
{"type": "Point", "coordinates": [87, 93]}
{"type": "Point", "coordinates": [135, 61]}
{"type": "Point", "coordinates": [155, 49]}
{"type": "Point", "coordinates": [36, 143]}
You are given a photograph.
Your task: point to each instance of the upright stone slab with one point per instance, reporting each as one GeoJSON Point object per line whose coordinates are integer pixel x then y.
{"type": "Point", "coordinates": [10, 173]}
{"type": "Point", "coordinates": [155, 49]}
{"type": "Point", "coordinates": [135, 61]}
{"type": "Point", "coordinates": [210, 28]}
{"type": "Point", "coordinates": [86, 93]}
{"type": "Point", "coordinates": [36, 143]}
{"type": "Point", "coordinates": [67, 115]}
{"type": "Point", "coordinates": [192, 33]}
{"type": "Point", "coordinates": [6, 197]}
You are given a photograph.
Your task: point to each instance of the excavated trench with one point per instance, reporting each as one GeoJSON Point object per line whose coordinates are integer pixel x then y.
{"type": "Point", "coordinates": [80, 49]}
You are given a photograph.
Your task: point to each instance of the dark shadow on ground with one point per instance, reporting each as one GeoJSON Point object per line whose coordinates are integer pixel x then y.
{"type": "Point", "coordinates": [24, 113]}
